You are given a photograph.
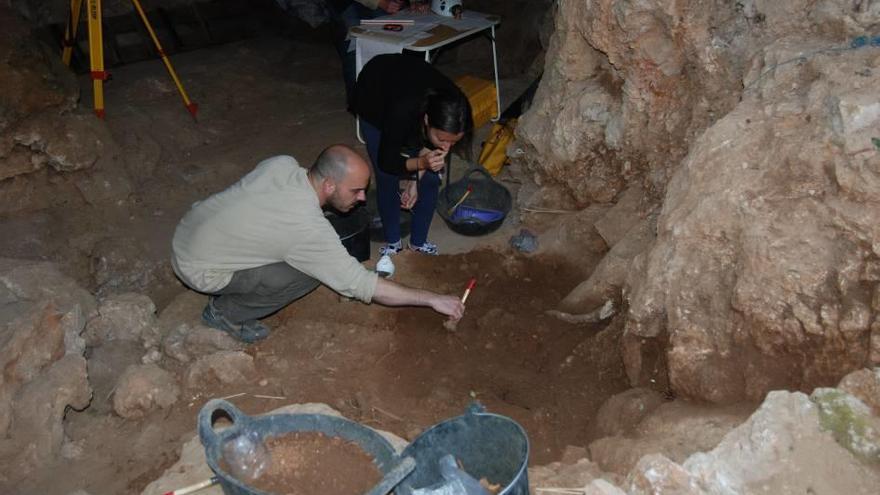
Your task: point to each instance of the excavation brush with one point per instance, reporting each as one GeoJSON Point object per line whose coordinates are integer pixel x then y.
{"type": "Point", "coordinates": [452, 325]}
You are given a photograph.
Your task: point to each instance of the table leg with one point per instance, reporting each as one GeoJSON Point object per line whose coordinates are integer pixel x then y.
{"type": "Point", "coordinates": [497, 87]}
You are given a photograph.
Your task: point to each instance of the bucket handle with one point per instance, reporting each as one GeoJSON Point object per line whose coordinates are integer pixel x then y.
{"type": "Point", "coordinates": [207, 434]}
{"type": "Point", "coordinates": [473, 168]}
{"type": "Point", "coordinates": [475, 408]}
{"type": "Point", "coordinates": [394, 477]}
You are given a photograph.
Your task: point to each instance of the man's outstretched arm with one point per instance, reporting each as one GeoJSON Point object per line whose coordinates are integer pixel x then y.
{"type": "Point", "coordinates": [389, 293]}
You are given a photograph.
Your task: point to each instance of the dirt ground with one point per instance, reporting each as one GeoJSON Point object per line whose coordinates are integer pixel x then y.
{"type": "Point", "coordinates": [394, 369]}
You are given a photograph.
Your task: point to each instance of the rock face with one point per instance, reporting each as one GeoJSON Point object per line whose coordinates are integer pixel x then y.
{"type": "Point", "coordinates": [41, 355]}
{"type": "Point", "coordinates": [763, 273]}
{"type": "Point", "coordinates": [765, 268]}
{"type": "Point", "coordinates": [41, 128]}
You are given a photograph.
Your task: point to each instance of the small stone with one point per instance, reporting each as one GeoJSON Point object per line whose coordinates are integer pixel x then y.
{"type": "Point", "coordinates": [143, 388]}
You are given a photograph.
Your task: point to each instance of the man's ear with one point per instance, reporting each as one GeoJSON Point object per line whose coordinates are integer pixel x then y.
{"type": "Point", "coordinates": [329, 186]}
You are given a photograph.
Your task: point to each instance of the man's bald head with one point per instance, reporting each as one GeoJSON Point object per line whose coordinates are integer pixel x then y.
{"type": "Point", "coordinates": [340, 176]}
{"type": "Point", "coordinates": [335, 162]}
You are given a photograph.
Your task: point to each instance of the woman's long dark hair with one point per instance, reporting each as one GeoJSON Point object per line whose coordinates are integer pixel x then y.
{"type": "Point", "coordinates": [450, 111]}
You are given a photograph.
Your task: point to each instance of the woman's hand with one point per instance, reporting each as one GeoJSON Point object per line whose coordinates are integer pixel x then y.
{"type": "Point", "coordinates": [420, 6]}
{"type": "Point", "coordinates": [409, 195]}
{"type": "Point", "coordinates": [390, 6]}
{"type": "Point", "coordinates": [435, 160]}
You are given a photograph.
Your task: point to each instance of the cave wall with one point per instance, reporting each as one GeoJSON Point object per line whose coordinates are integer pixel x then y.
{"type": "Point", "coordinates": [750, 125]}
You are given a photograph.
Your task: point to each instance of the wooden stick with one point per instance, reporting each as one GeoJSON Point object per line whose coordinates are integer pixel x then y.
{"type": "Point", "coordinates": [545, 210]}
{"type": "Point", "coordinates": [233, 396]}
{"type": "Point", "coordinates": [274, 397]}
{"type": "Point", "coordinates": [386, 413]}
{"type": "Point", "coordinates": [194, 488]}
{"type": "Point", "coordinates": [467, 291]}
{"type": "Point", "coordinates": [569, 491]}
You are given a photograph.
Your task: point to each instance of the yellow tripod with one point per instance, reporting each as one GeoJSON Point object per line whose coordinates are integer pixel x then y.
{"type": "Point", "coordinates": [96, 51]}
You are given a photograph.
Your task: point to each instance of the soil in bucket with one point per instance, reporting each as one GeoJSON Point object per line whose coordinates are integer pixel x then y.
{"type": "Point", "coordinates": [310, 463]}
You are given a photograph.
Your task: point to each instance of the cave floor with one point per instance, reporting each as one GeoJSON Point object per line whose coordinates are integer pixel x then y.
{"type": "Point", "coordinates": [393, 369]}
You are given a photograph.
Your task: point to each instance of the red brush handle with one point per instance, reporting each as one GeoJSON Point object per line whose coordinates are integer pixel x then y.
{"type": "Point", "coordinates": [471, 283]}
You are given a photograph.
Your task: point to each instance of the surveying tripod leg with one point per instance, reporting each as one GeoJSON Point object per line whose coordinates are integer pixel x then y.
{"type": "Point", "coordinates": [96, 55]}
{"type": "Point", "coordinates": [190, 106]}
{"type": "Point", "coordinates": [70, 31]}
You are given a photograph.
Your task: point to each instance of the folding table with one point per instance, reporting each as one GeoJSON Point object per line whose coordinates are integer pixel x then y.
{"type": "Point", "coordinates": [422, 32]}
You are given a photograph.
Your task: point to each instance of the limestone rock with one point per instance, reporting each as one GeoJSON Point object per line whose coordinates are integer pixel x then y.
{"type": "Point", "coordinates": [676, 429]}
{"type": "Point", "coordinates": [185, 337]}
{"type": "Point", "coordinates": [602, 487]}
{"type": "Point", "coordinates": [624, 411]}
{"type": "Point", "coordinates": [68, 142]}
{"type": "Point", "coordinates": [656, 473]}
{"type": "Point", "coordinates": [225, 367]}
{"type": "Point", "coordinates": [36, 332]}
{"type": "Point", "coordinates": [865, 385]}
{"type": "Point", "coordinates": [850, 422]}
{"type": "Point", "coordinates": [573, 236]}
{"type": "Point", "coordinates": [781, 449]}
{"type": "Point", "coordinates": [39, 408]}
{"type": "Point", "coordinates": [27, 280]}
{"type": "Point", "coordinates": [186, 342]}
{"type": "Point", "coordinates": [574, 474]}
{"type": "Point", "coordinates": [757, 278]}
{"type": "Point", "coordinates": [127, 316]}
{"type": "Point", "coordinates": [124, 265]}
{"type": "Point", "coordinates": [143, 388]}
{"type": "Point", "coordinates": [607, 280]}
{"type": "Point", "coordinates": [623, 216]}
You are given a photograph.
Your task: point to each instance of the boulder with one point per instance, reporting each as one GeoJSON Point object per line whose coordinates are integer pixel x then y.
{"type": "Point", "coordinates": [39, 408]}
{"type": "Point", "coordinates": [185, 337]}
{"type": "Point", "coordinates": [676, 429]}
{"type": "Point", "coordinates": [850, 421]}
{"type": "Point", "coordinates": [126, 264]}
{"type": "Point", "coordinates": [126, 316]}
{"type": "Point", "coordinates": [143, 388]}
{"type": "Point", "coordinates": [782, 448]}
{"type": "Point", "coordinates": [622, 412]}
{"type": "Point", "coordinates": [43, 314]}
{"type": "Point", "coordinates": [864, 384]}
{"type": "Point", "coordinates": [224, 367]}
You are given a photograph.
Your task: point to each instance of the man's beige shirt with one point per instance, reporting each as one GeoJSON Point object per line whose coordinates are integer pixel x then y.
{"type": "Point", "coordinates": [272, 214]}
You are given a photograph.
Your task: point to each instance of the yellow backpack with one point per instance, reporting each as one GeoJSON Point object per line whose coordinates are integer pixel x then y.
{"type": "Point", "coordinates": [494, 153]}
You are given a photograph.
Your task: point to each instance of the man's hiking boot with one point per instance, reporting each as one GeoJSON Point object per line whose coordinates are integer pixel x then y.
{"type": "Point", "coordinates": [248, 332]}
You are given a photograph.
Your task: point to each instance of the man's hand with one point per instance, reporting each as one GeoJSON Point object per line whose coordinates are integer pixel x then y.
{"type": "Point", "coordinates": [390, 6]}
{"type": "Point", "coordinates": [393, 294]}
{"type": "Point", "coordinates": [410, 195]}
{"type": "Point", "coordinates": [450, 306]}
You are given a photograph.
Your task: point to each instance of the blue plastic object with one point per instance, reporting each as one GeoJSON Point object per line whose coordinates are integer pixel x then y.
{"type": "Point", "coordinates": [465, 213]}
{"type": "Point", "coordinates": [487, 445]}
{"type": "Point", "coordinates": [390, 464]}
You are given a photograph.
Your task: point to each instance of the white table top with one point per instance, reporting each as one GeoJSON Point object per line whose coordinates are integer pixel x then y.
{"type": "Point", "coordinates": [428, 31]}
